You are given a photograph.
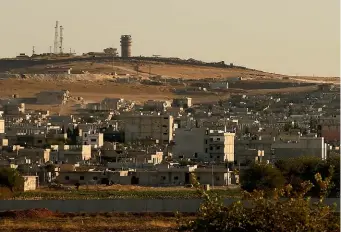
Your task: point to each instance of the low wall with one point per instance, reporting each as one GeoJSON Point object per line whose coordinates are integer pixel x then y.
{"type": "Point", "coordinates": [117, 205]}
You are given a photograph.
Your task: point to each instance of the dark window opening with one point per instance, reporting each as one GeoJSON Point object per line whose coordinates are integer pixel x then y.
{"type": "Point", "coordinates": [67, 178]}
{"type": "Point", "coordinates": [81, 177]}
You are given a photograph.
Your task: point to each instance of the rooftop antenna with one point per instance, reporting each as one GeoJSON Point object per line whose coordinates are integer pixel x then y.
{"type": "Point", "coordinates": [33, 51]}
{"type": "Point", "coordinates": [61, 40]}
{"type": "Point", "coordinates": [55, 48]}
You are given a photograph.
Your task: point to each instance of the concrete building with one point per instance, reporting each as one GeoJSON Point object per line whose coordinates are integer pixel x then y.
{"type": "Point", "coordinates": [53, 97]}
{"type": "Point", "coordinates": [219, 85]}
{"type": "Point", "coordinates": [30, 183]}
{"type": "Point", "coordinates": [189, 143]}
{"type": "Point", "coordinates": [93, 177]}
{"type": "Point", "coordinates": [152, 105]}
{"type": "Point", "coordinates": [95, 140]}
{"type": "Point", "coordinates": [305, 146]}
{"type": "Point", "coordinates": [59, 70]}
{"type": "Point", "coordinates": [70, 154]}
{"type": "Point", "coordinates": [185, 102]}
{"type": "Point", "coordinates": [158, 127]}
{"type": "Point", "coordinates": [219, 145]}
{"type": "Point", "coordinates": [111, 103]}
{"type": "Point", "coordinates": [204, 145]}
{"type": "Point", "coordinates": [2, 126]}
{"type": "Point", "coordinates": [329, 128]}
{"type": "Point", "coordinates": [35, 155]}
{"type": "Point", "coordinates": [126, 46]}
{"type": "Point", "coordinates": [13, 108]}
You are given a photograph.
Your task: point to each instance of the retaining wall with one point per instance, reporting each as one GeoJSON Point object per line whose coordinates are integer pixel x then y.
{"type": "Point", "coordinates": [117, 205]}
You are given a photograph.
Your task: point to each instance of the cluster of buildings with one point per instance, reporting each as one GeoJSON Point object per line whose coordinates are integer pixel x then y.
{"type": "Point", "coordinates": [160, 143]}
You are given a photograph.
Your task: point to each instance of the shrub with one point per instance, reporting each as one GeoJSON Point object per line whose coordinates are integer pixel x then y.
{"type": "Point", "coordinates": [264, 214]}
{"type": "Point", "coordinates": [11, 179]}
{"type": "Point", "coordinates": [261, 177]}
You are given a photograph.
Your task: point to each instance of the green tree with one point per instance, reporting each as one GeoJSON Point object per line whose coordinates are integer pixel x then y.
{"type": "Point", "coordinates": [300, 169]}
{"type": "Point", "coordinates": [261, 177]}
{"type": "Point", "coordinates": [11, 179]}
{"type": "Point", "coordinates": [278, 214]}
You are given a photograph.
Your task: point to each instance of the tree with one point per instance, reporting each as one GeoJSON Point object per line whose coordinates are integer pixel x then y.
{"type": "Point", "coordinates": [261, 177]}
{"type": "Point", "coordinates": [263, 214]}
{"type": "Point", "coordinates": [10, 178]}
{"type": "Point", "coordinates": [298, 170]}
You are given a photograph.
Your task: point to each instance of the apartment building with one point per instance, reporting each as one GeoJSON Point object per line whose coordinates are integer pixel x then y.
{"type": "Point", "coordinates": [204, 145]}
{"type": "Point", "coordinates": [92, 138]}
{"type": "Point", "coordinates": [219, 146]}
{"type": "Point", "coordinates": [158, 127]}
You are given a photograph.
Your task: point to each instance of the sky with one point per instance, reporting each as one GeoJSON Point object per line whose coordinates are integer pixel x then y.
{"type": "Point", "coordinates": [294, 37]}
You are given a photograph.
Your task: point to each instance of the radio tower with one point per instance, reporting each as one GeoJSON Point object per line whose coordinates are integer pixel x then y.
{"type": "Point", "coordinates": [61, 40]}
{"type": "Point", "coordinates": [55, 48]}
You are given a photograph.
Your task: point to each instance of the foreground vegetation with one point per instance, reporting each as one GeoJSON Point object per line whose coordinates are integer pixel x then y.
{"type": "Point", "coordinates": [284, 210]}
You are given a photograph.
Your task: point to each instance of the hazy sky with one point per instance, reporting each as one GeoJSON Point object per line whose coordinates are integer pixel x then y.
{"type": "Point", "coordinates": [288, 36]}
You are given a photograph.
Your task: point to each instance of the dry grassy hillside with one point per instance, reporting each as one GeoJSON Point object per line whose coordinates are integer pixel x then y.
{"type": "Point", "coordinates": [99, 84]}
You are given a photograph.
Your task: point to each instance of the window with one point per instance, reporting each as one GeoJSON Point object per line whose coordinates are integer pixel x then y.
{"type": "Point", "coordinates": [67, 178]}
{"type": "Point", "coordinates": [163, 177]}
{"type": "Point", "coordinates": [165, 118]}
{"type": "Point", "coordinates": [218, 147]}
{"type": "Point", "coordinates": [211, 139]}
{"type": "Point", "coordinates": [164, 126]}
{"type": "Point", "coordinates": [85, 135]}
{"type": "Point", "coordinates": [205, 141]}
{"type": "Point", "coordinates": [218, 139]}
{"type": "Point", "coordinates": [164, 133]}
{"type": "Point", "coordinates": [196, 155]}
{"type": "Point", "coordinates": [81, 177]}
{"type": "Point", "coordinates": [95, 178]}
{"type": "Point", "coordinates": [206, 150]}
{"type": "Point", "coordinates": [176, 177]}
{"type": "Point", "coordinates": [217, 178]}
{"type": "Point", "coordinates": [198, 178]}
{"type": "Point", "coordinates": [40, 141]}
{"type": "Point", "coordinates": [93, 140]}
{"type": "Point", "coordinates": [211, 148]}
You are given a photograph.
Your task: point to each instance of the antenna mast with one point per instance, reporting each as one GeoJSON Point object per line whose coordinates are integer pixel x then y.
{"type": "Point", "coordinates": [55, 49]}
{"type": "Point", "coordinates": [61, 40]}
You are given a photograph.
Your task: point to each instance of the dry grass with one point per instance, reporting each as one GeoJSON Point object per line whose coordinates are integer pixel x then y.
{"type": "Point", "coordinates": [97, 222]}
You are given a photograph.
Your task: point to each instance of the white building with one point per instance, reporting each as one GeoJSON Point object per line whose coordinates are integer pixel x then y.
{"type": "Point", "coordinates": [2, 126]}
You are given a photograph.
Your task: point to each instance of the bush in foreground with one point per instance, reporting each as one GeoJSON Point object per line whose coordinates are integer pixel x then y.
{"type": "Point", "coordinates": [264, 214]}
{"type": "Point", "coordinates": [11, 178]}
{"type": "Point", "coordinates": [262, 177]}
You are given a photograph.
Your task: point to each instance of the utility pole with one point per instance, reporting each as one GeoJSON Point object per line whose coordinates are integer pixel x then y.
{"type": "Point", "coordinates": [212, 177]}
